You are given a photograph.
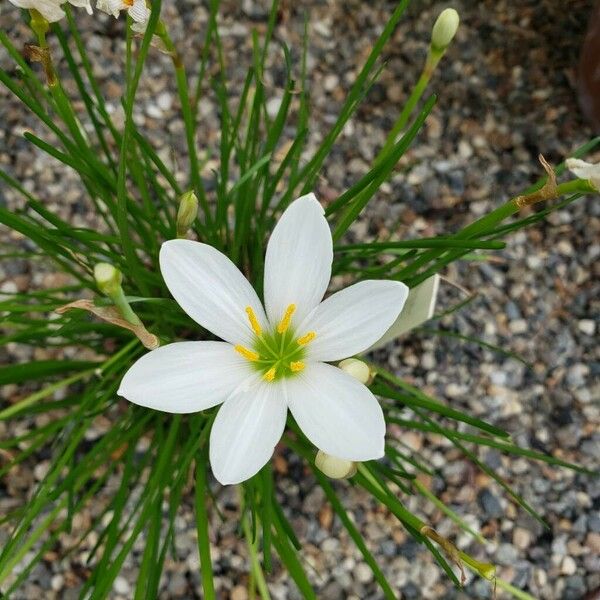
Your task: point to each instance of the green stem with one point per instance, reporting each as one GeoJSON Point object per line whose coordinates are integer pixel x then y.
{"type": "Point", "coordinates": [256, 571]}
{"type": "Point", "coordinates": [489, 221]}
{"type": "Point", "coordinates": [189, 123]}
{"type": "Point", "coordinates": [43, 393]}
{"type": "Point", "coordinates": [202, 526]}
{"type": "Point", "coordinates": [409, 106]}
{"type": "Point", "coordinates": [447, 511]}
{"type": "Point", "coordinates": [33, 538]}
{"type": "Point", "coordinates": [511, 589]}
{"type": "Point", "coordinates": [118, 297]}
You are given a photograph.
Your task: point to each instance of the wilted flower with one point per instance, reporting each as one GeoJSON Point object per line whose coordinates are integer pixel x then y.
{"type": "Point", "coordinates": [274, 358]}
{"type": "Point", "coordinates": [51, 9]}
{"type": "Point", "coordinates": [585, 170]}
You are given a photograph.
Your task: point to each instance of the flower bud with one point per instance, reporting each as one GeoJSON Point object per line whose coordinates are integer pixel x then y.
{"type": "Point", "coordinates": [334, 467]}
{"type": "Point", "coordinates": [357, 369]}
{"type": "Point", "coordinates": [444, 29]}
{"type": "Point", "coordinates": [187, 213]}
{"type": "Point", "coordinates": [108, 278]}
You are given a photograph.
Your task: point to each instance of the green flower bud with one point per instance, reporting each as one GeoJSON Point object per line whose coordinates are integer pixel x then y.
{"type": "Point", "coordinates": [108, 278]}
{"type": "Point", "coordinates": [444, 29]}
{"type": "Point", "coordinates": [334, 467]}
{"type": "Point", "coordinates": [357, 369]}
{"type": "Point", "coordinates": [187, 213]}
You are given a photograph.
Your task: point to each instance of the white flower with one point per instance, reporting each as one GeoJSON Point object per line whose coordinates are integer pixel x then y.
{"type": "Point", "coordinates": [137, 10]}
{"type": "Point", "coordinates": [51, 9]}
{"type": "Point", "coordinates": [275, 358]}
{"type": "Point", "coordinates": [585, 170]}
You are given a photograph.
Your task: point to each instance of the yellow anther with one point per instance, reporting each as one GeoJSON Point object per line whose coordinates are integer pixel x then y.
{"type": "Point", "coordinates": [307, 338]}
{"type": "Point", "coordinates": [270, 374]}
{"type": "Point", "coordinates": [296, 366]}
{"type": "Point", "coordinates": [253, 321]}
{"type": "Point", "coordinates": [248, 354]}
{"type": "Point", "coordinates": [287, 318]}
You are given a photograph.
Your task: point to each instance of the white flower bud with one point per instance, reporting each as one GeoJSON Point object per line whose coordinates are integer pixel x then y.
{"type": "Point", "coordinates": [187, 213]}
{"type": "Point", "coordinates": [357, 369]}
{"type": "Point", "coordinates": [444, 29]}
{"type": "Point", "coordinates": [108, 278]}
{"type": "Point", "coordinates": [334, 467]}
{"type": "Point", "coordinates": [585, 170]}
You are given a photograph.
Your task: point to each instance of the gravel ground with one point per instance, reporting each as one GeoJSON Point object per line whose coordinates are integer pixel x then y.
{"type": "Point", "coordinates": [506, 94]}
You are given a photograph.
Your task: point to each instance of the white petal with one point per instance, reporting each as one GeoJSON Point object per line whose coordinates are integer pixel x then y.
{"type": "Point", "coordinates": [298, 260]}
{"type": "Point", "coordinates": [49, 9]}
{"type": "Point", "coordinates": [246, 430]}
{"type": "Point", "coordinates": [353, 319]}
{"type": "Point", "coordinates": [185, 377]}
{"type": "Point", "coordinates": [139, 12]}
{"type": "Point", "coordinates": [337, 413]}
{"type": "Point", "coordinates": [585, 170]}
{"type": "Point", "coordinates": [210, 289]}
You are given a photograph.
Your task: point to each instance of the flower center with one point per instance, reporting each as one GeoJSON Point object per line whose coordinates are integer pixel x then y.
{"type": "Point", "coordinates": [279, 353]}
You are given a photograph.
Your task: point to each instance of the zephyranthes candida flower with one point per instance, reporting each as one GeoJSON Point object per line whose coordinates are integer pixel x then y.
{"type": "Point", "coordinates": [274, 358]}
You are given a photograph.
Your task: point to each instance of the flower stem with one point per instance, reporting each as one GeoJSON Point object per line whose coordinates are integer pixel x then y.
{"type": "Point", "coordinates": [416, 94]}
{"type": "Point", "coordinates": [490, 220]}
{"type": "Point", "coordinates": [202, 526]}
{"type": "Point", "coordinates": [447, 511]}
{"type": "Point", "coordinates": [124, 308]}
{"type": "Point", "coordinates": [40, 26]}
{"type": "Point", "coordinates": [256, 570]}
{"type": "Point", "coordinates": [190, 126]}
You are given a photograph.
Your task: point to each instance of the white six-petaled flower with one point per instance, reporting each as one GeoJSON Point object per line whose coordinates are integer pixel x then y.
{"type": "Point", "coordinates": [51, 9]}
{"type": "Point", "coordinates": [274, 358]}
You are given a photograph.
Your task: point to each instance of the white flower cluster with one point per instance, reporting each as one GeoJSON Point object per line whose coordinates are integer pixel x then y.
{"type": "Point", "coordinates": [52, 10]}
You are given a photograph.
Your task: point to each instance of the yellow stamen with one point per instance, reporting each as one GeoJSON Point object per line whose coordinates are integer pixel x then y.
{"type": "Point", "coordinates": [270, 374]}
{"type": "Point", "coordinates": [296, 366]}
{"type": "Point", "coordinates": [253, 321]}
{"type": "Point", "coordinates": [248, 354]}
{"type": "Point", "coordinates": [287, 318]}
{"type": "Point", "coordinates": [307, 338]}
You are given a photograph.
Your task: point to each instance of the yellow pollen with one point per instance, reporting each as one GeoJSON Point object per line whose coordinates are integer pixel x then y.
{"type": "Point", "coordinates": [307, 338]}
{"type": "Point", "coordinates": [248, 354]}
{"type": "Point", "coordinates": [270, 374]}
{"type": "Point", "coordinates": [296, 366]}
{"type": "Point", "coordinates": [253, 321]}
{"type": "Point", "coordinates": [287, 317]}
